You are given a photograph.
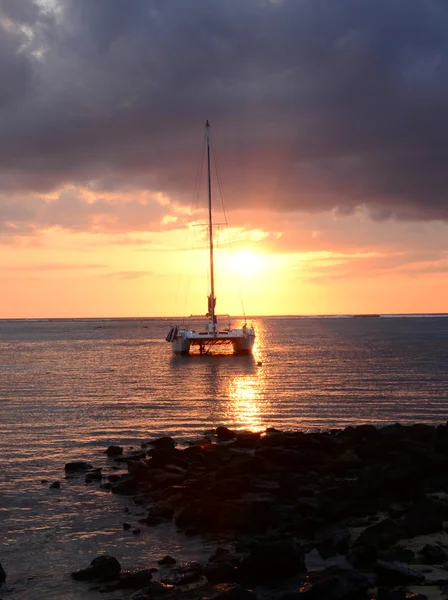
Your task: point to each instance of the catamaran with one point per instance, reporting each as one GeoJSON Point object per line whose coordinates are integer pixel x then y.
{"type": "Point", "coordinates": [183, 337]}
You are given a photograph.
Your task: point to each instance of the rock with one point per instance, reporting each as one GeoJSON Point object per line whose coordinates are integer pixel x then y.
{"type": "Point", "coordinates": [137, 531]}
{"type": "Point", "coordinates": [224, 434]}
{"type": "Point", "coordinates": [433, 554]}
{"type": "Point", "coordinates": [55, 485]}
{"type": "Point", "coordinates": [78, 466]}
{"type": "Point", "coordinates": [397, 553]}
{"type": "Point", "coordinates": [95, 474]}
{"type": "Point", "coordinates": [382, 534]}
{"type": "Point", "coordinates": [114, 451]}
{"type": "Point", "coordinates": [333, 540]}
{"type": "Point", "coordinates": [270, 562]}
{"type": "Point", "coordinates": [184, 574]}
{"type": "Point", "coordinates": [162, 443]}
{"type": "Point", "coordinates": [233, 592]}
{"type": "Point", "coordinates": [395, 574]}
{"type": "Point", "coordinates": [137, 578]}
{"type": "Point", "coordinates": [362, 557]}
{"type": "Point", "coordinates": [126, 485]}
{"type": "Point", "coordinates": [332, 583]}
{"type": "Point", "coordinates": [422, 519]}
{"type": "Point", "coordinates": [2, 574]}
{"type": "Point", "coordinates": [102, 568]}
{"type": "Point", "coordinates": [126, 526]}
{"type": "Point", "coordinates": [167, 560]}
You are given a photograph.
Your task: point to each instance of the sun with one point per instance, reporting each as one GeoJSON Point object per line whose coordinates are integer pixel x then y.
{"type": "Point", "coordinates": [244, 262]}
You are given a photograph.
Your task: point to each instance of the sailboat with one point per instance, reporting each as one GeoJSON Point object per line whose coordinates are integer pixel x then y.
{"type": "Point", "coordinates": [183, 338]}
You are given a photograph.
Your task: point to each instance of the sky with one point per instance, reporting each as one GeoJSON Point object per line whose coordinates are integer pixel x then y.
{"type": "Point", "coordinates": [329, 126]}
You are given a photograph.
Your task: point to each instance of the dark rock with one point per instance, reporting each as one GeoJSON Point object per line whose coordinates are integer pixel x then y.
{"type": "Point", "coordinates": [221, 568]}
{"type": "Point", "coordinates": [106, 486]}
{"type": "Point", "coordinates": [162, 443]}
{"type": "Point", "coordinates": [332, 583]}
{"type": "Point", "coordinates": [422, 519]}
{"type": "Point", "coordinates": [395, 574]}
{"type": "Point", "coordinates": [434, 554]}
{"type": "Point", "coordinates": [55, 485]}
{"type": "Point", "coordinates": [126, 485]}
{"type": "Point", "coordinates": [397, 553]}
{"type": "Point", "coordinates": [137, 531]}
{"type": "Point", "coordinates": [167, 560]}
{"type": "Point", "coordinates": [184, 574]}
{"type": "Point", "coordinates": [155, 591]}
{"type": "Point", "coordinates": [271, 561]}
{"type": "Point", "coordinates": [2, 574]}
{"type": "Point", "coordinates": [233, 592]}
{"type": "Point", "coordinates": [126, 526]}
{"type": "Point", "coordinates": [221, 572]}
{"type": "Point", "coordinates": [333, 540]}
{"type": "Point", "coordinates": [114, 451]}
{"type": "Point", "coordinates": [96, 474]}
{"type": "Point", "coordinates": [103, 568]}
{"type": "Point", "coordinates": [382, 534]}
{"type": "Point", "coordinates": [78, 466]}
{"type": "Point", "coordinates": [362, 557]}
{"type": "Point", "coordinates": [224, 434]}
{"type": "Point", "coordinates": [134, 579]}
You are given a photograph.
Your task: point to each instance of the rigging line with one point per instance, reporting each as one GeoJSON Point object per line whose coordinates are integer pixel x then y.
{"type": "Point", "coordinates": [192, 208]}
{"type": "Point", "coordinates": [221, 193]}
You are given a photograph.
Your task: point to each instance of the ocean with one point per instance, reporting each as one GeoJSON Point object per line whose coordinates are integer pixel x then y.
{"type": "Point", "coordinates": [71, 388]}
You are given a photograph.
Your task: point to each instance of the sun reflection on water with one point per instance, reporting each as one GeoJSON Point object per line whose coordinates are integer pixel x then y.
{"type": "Point", "coordinates": [245, 395]}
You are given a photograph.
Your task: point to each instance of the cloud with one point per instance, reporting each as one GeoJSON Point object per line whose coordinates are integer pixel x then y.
{"type": "Point", "coordinates": [315, 105]}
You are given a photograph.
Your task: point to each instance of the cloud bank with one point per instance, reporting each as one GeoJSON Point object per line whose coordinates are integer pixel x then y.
{"type": "Point", "coordinates": [315, 105]}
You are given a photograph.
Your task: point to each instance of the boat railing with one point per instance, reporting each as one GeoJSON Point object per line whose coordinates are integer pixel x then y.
{"type": "Point", "coordinates": [198, 321]}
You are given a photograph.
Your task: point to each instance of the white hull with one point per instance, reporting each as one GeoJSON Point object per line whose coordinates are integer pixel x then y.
{"type": "Point", "coordinates": [242, 341]}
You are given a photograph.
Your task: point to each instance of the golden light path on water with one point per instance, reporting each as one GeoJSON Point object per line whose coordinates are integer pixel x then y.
{"type": "Point", "coordinates": [246, 393]}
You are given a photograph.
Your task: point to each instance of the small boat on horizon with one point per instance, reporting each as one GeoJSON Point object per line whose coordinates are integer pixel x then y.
{"type": "Point", "coordinates": [211, 335]}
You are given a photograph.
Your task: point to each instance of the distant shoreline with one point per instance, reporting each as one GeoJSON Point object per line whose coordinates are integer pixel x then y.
{"type": "Point", "coordinates": [165, 318]}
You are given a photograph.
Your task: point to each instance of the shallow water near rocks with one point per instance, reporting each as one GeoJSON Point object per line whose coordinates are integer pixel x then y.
{"type": "Point", "coordinates": [68, 389]}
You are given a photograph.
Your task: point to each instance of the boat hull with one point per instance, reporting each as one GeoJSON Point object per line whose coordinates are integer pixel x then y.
{"type": "Point", "coordinates": [242, 341]}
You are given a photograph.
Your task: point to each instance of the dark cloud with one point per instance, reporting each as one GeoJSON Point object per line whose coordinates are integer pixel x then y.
{"type": "Point", "coordinates": [315, 104]}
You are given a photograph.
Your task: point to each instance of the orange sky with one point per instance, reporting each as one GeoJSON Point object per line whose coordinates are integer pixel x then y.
{"type": "Point", "coordinates": [283, 264]}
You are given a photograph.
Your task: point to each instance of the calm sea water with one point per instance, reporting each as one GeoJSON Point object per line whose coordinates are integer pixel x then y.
{"type": "Point", "coordinates": [68, 389]}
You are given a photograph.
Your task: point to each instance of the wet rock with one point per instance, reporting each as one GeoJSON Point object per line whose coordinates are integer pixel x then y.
{"type": "Point", "coordinates": [137, 578]}
{"type": "Point", "coordinates": [433, 554]}
{"type": "Point", "coordinates": [102, 568]}
{"type": "Point", "coordinates": [114, 451]}
{"type": "Point", "coordinates": [55, 485]}
{"type": "Point", "coordinates": [137, 531]}
{"type": "Point", "coordinates": [78, 466]}
{"type": "Point", "coordinates": [221, 568]}
{"type": "Point", "coordinates": [167, 560]}
{"type": "Point", "coordinates": [126, 526]}
{"type": "Point", "coordinates": [395, 574]}
{"type": "Point", "coordinates": [184, 574]}
{"type": "Point", "coordinates": [332, 583]}
{"type": "Point", "coordinates": [224, 434]}
{"type": "Point", "coordinates": [270, 562]}
{"type": "Point", "coordinates": [126, 485]}
{"type": "Point", "coordinates": [155, 591]}
{"type": "Point", "coordinates": [96, 474]}
{"type": "Point", "coordinates": [2, 574]}
{"type": "Point", "coordinates": [162, 443]}
{"type": "Point", "coordinates": [106, 486]}
{"type": "Point", "coordinates": [233, 592]}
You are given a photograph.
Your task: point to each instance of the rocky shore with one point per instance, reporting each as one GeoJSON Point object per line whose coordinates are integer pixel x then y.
{"type": "Point", "coordinates": [340, 515]}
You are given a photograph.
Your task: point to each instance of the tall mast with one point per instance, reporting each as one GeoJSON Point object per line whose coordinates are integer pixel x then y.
{"type": "Point", "coordinates": [210, 229]}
